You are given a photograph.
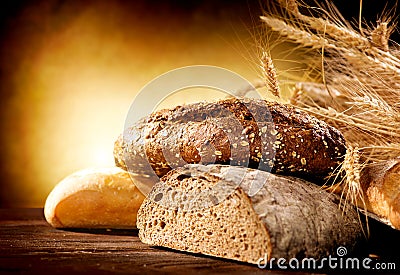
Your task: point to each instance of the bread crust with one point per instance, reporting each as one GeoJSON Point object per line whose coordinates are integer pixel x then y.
{"type": "Point", "coordinates": [380, 185]}
{"type": "Point", "coordinates": [242, 132]}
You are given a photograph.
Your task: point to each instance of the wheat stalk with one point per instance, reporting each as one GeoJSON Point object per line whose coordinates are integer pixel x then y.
{"type": "Point", "coordinates": [269, 74]}
{"type": "Point", "coordinates": [380, 36]}
{"type": "Point", "coordinates": [359, 89]}
{"type": "Point", "coordinates": [356, 88]}
{"type": "Point", "coordinates": [294, 34]}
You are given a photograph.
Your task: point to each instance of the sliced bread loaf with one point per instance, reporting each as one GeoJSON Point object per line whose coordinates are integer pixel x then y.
{"type": "Point", "coordinates": [208, 210]}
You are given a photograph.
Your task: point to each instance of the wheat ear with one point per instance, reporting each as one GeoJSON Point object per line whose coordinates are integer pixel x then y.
{"type": "Point", "coordinates": [269, 74]}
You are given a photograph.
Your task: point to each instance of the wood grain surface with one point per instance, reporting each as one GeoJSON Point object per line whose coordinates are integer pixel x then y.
{"type": "Point", "coordinates": [28, 245]}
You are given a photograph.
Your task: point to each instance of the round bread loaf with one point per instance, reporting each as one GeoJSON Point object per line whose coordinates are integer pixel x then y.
{"type": "Point", "coordinates": [245, 132]}
{"type": "Point", "coordinates": [94, 198]}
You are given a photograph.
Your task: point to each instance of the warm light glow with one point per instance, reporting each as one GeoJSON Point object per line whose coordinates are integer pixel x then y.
{"type": "Point", "coordinates": [190, 95]}
{"type": "Point", "coordinates": [102, 158]}
{"type": "Point", "coordinates": [75, 70]}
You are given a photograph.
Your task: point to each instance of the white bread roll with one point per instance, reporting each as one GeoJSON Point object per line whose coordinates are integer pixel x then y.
{"type": "Point", "coordinates": [94, 198]}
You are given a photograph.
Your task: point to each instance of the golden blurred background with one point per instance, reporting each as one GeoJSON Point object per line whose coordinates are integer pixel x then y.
{"type": "Point", "coordinates": [69, 71]}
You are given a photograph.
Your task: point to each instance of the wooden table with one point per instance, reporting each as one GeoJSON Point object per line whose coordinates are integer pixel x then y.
{"type": "Point", "coordinates": [29, 245]}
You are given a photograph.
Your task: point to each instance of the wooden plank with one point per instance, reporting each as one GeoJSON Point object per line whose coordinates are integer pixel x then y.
{"type": "Point", "coordinates": [29, 245]}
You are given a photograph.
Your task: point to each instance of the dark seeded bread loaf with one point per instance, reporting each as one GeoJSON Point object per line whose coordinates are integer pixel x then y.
{"type": "Point", "coordinates": [288, 217]}
{"type": "Point", "coordinates": [243, 132]}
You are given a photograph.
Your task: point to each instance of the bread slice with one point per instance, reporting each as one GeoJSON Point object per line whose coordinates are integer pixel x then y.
{"type": "Point", "coordinates": [244, 214]}
{"type": "Point", "coordinates": [94, 198]}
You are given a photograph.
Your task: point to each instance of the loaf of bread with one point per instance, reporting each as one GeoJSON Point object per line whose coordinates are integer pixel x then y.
{"type": "Point", "coordinates": [252, 133]}
{"type": "Point", "coordinates": [208, 210]}
{"type": "Point", "coordinates": [381, 188]}
{"type": "Point", "coordinates": [94, 198]}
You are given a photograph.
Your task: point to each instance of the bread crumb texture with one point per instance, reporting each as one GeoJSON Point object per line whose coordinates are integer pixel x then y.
{"type": "Point", "coordinates": [230, 229]}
